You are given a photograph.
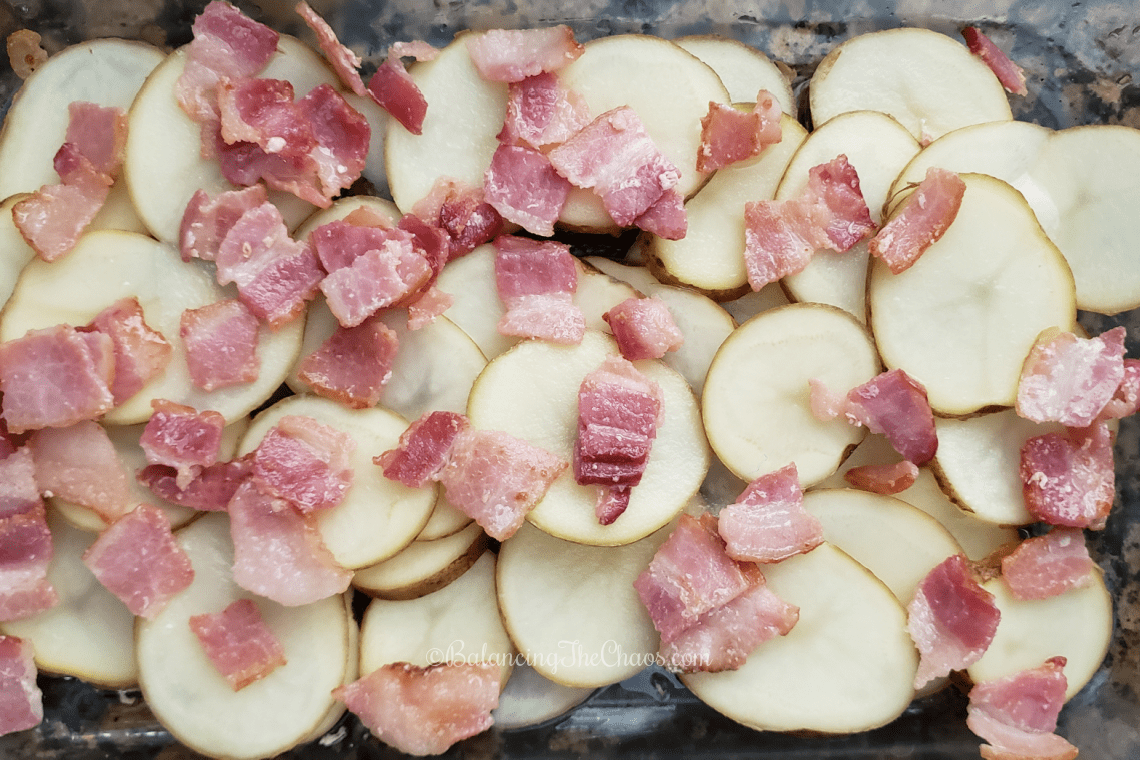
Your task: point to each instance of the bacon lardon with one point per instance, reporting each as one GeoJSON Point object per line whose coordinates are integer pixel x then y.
{"type": "Point", "coordinates": [1017, 714]}
{"type": "Point", "coordinates": [21, 701]}
{"type": "Point", "coordinates": [730, 135]}
{"type": "Point", "coordinates": [382, 277]}
{"type": "Point", "coordinates": [512, 55]}
{"type": "Point", "coordinates": [80, 465]}
{"type": "Point", "coordinates": [895, 404]}
{"type": "Point", "coordinates": [1010, 75]}
{"type": "Point", "coordinates": [431, 303]}
{"type": "Point", "coordinates": [768, 523]}
{"type": "Point", "coordinates": [342, 135]}
{"type": "Point", "coordinates": [394, 90]}
{"type": "Point", "coordinates": [25, 552]}
{"type": "Point", "coordinates": [206, 221]}
{"type": "Point", "coordinates": [1126, 400]}
{"type": "Point", "coordinates": [423, 449]}
{"type": "Point", "coordinates": [99, 134]}
{"type": "Point", "coordinates": [141, 353]}
{"type": "Point", "coordinates": [885, 479]}
{"type": "Point", "coordinates": [644, 328]}
{"type": "Point", "coordinates": [343, 61]}
{"type": "Point", "coordinates": [19, 492]}
{"type": "Point", "coordinates": [922, 220]}
{"type": "Point", "coordinates": [542, 112]}
{"type": "Point", "coordinates": [305, 463]}
{"type": "Point", "coordinates": [524, 188]}
{"type": "Point", "coordinates": [536, 281]}
{"type": "Point", "coordinates": [666, 218]}
{"type": "Point", "coordinates": [1069, 379]}
{"type": "Point", "coordinates": [209, 491]}
{"type": "Point", "coordinates": [1068, 479]}
{"type": "Point", "coordinates": [353, 365]}
{"type": "Point", "coordinates": [339, 243]}
{"type": "Point", "coordinates": [181, 437]}
{"type": "Point", "coordinates": [220, 340]}
{"type": "Point", "coordinates": [461, 212]}
{"type": "Point", "coordinates": [239, 643]}
{"type": "Point", "coordinates": [1048, 565]}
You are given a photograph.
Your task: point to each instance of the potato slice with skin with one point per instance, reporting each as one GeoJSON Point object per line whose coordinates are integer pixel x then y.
{"type": "Point", "coordinates": [108, 265]}
{"type": "Point", "coordinates": [423, 566]}
{"type": "Point", "coordinates": [530, 699]}
{"type": "Point", "coordinates": [15, 253]}
{"type": "Point", "coordinates": [710, 258]}
{"type": "Point", "coordinates": [756, 401]}
{"type": "Point", "coordinates": [744, 70]}
{"type": "Point", "coordinates": [962, 319]}
{"type": "Point", "coordinates": [445, 520]}
{"type": "Point", "coordinates": [929, 82]}
{"type": "Point", "coordinates": [378, 517]}
{"type": "Point", "coordinates": [572, 610]}
{"type": "Point", "coordinates": [531, 392]}
{"type": "Point", "coordinates": [847, 665]}
{"type": "Point", "coordinates": [90, 634]}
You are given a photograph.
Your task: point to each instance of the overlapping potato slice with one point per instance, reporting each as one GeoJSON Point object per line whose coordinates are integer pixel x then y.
{"type": "Point", "coordinates": [15, 252]}
{"type": "Point", "coordinates": [756, 301]}
{"type": "Point", "coordinates": [445, 520]}
{"type": "Point", "coordinates": [423, 566]}
{"type": "Point", "coordinates": [744, 70]}
{"type": "Point", "coordinates": [530, 699]}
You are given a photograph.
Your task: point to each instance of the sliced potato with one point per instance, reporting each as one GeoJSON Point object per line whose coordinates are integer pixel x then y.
{"type": "Point", "coordinates": [744, 70]}
{"type": "Point", "coordinates": [15, 253]}
{"type": "Point", "coordinates": [342, 207]}
{"type": "Point", "coordinates": [530, 699]}
{"type": "Point", "coordinates": [477, 309]}
{"type": "Point", "coordinates": [597, 293]}
{"type": "Point", "coordinates": [445, 520]}
{"type": "Point", "coordinates": [423, 566]}
{"type": "Point", "coordinates": [756, 301]}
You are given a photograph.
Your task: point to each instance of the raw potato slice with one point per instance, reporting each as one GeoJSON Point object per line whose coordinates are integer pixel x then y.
{"type": "Point", "coordinates": [756, 402]}
{"type": "Point", "coordinates": [15, 253]}
{"type": "Point", "coordinates": [848, 664]}
{"type": "Point", "coordinates": [532, 392]}
{"type": "Point", "coordinates": [423, 566]}
{"type": "Point", "coordinates": [464, 116]}
{"type": "Point", "coordinates": [597, 293]}
{"type": "Point", "coordinates": [962, 319]}
{"type": "Point", "coordinates": [378, 517]}
{"type": "Point", "coordinates": [667, 87]}
{"type": "Point", "coordinates": [897, 542]}
{"type": "Point", "coordinates": [90, 634]}
{"type": "Point", "coordinates": [118, 212]}
{"type": "Point", "coordinates": [342, 207]}
{"type": "Point", "coordinates": [927, 81]}
{"type": "Point", "coordinates": [572, 610]}
{"type": "Point", "coordinates": [459, 623]}
{"type": "Point", "coordinates": [108, 72]}
{"type": "Point", "coordinates": [196, 704]}
{"type": "Point", "coordinates": [638, 276]}
{"type": "Point", "coordinates": [164, 165]}
{"type": "Point", "coordinates": [1076, 625]}
{"type": "Point", "coordinates": [445, 520]}
{"type": "Point", "coordinates": [978, 462]}
{"type": "Point", "coordinates": [878, 147]}
{"type": "Point", "coordinates": [754, 302]}
{"type": "Point", "coordinates": [710, 258]}
{"type": "Point", "coordinates": [530, 699]}
{"type": "Point", "coordinates": [108, 265]}
{"type": "Point", "coordinates": [744, 70]}
{"type": "Point", "coordinates": [374, 170]}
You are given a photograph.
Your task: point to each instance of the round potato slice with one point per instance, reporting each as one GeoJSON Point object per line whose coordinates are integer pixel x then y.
{"type": "Point", "coordinates": [744, 70]}
{"type": "Point", "coordinates": [15, 253]}
{"type": "Point", "coordinates": [477, 309]}
{"type": "Point", "coordinates": [342, 207]}
{"type": "Point", "coordinates": [756, 301]}
{"type": "Point", "coordinates": [531, 392]}
{"type": "Point", "coordinates": [108, 265]}
{"type": "Point", "coordinates": [847, 665]}
{"type": "Point", "coordinates": [378, 517]}
{"type": "Point", "coordinates": [445, 520]}
{"type": "Point", "coordinates": [423, 566]}
{"type": "Point", "coordinates": [196, 704]}
{"type": "Point", "coordinates": [530, 699]}
{"type": "Point", "coordinates": [756, 406]}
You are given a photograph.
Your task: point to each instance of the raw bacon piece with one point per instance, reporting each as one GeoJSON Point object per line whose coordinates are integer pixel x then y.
{"type": "Point", "coordinates": [424, 710]}
{"type": "Point", "coordinates": [278, 553]}
{"type": "Point", "coordinates": [343, 61]}
{"type": "Point", "coordinates": [262, 112]}
{"type": "Point", "coordinates": [894, 404]}
{"type": "Point", "coordinates": [138, 560]}
{"type": "Point", "coordinates": [394, 90]}
{"type": "Point", "coordinates": [1010, 75]}
{"type": "Point", "coordinates": [1068, 478]}
{"type": "Point", "coordinates": [951, 619]}
{"type": "Point", "coordinates": [353, 365]}
{"type": "Point", "coordinates": [555, 318]}
{"type": "Point", "coordinates": [342, 135]}
{"type": "Point", "coordinates": [207, 221]}
{"type": "Point", "coordinates": [689, 576]}
{"type": "Point", "coordinates": [617, 158]}
{"type": "Point", "coordinates": [19, 492]}
{"type": "Point", "coordinates": [536, 280]}
{"type": "Point", "coordinates": [210, 491]}
{"type": "Point", "coordinates": [524, 188]}
{"type": "Point", "coordinates": [768, 522]}
{"type": "Point", "coordinates": [99, 134]}
{"type": "Point", "coordinates": [729, 135]}
{"type": "Point", "coordinates": [181, 437]}
{"type": "Point", "coordinates": [644, 328]}
{"type": "Point", "coordinates": [885, 479]}
{"type": "Point", "coordinates": [1017, 714]}
{"type": "Point", "coordinates": [921, 221]}
{"type": "Point", "coordinates": [25, 53]}
{"type": "Point", "coordinates": [221, 344]}
{"type": "Point", "coordinates": [244, 164]}
{"type": "Point", "coordinates": [338, 244]}
{"type": "Point", "coordinates": [55, 377]}
{"type": "Point", "coordinates": [462, 213]}
{"type": "Point", "coordinates": [382, 277]}
{"type": "Point", "coordinates": [25, 553]}
{"type": "Point", "coordinates": [21, 701]}
{"type": "Point", "coordinates": [825, 403]}
{"type": "Point", "coordinates": [239, 643]}
{"type": "Point", "coordinates": [1069, 379]}
{"type": "Point", "coordinates": [1126, 400]}
{"type": "Point", "coordinates": [433, 242]}
{"type": "Point", "coordinates": [496, 479]}
{"type": "Point", "coordinates": [79, 464]}
{"type": "Point", "coordinates": [541, 112]}
{"type": "Point", "coordinates": [305, 463]}
{"type": "Point", "coordinates": [1048, 565]}
{"type": "Point", "coordinates": [512, 55]}
{"type": "Point", "coordinates": [141, 353]}
{"type": "Point", "coordinates": [666, 217]}
{"type": "Point", "coordinates": [423, 449]}
{"type": "Point", "coordinates": [612, 503]}
{"type": "Point", "coordinates": [431, 303]}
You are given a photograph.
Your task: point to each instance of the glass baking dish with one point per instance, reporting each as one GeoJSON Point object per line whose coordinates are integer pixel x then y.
{"type": "Point", "coordinates": [1080, 59]}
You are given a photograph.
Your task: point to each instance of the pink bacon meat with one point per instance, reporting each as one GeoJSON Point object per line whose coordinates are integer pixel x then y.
{"type": "Point", "coordinates": [541, 112]}
{"type": "Point", "coordinates": [21, 701]}
{"type": "Point", "coordinates": [923, 219]}
{"type": "Point", "coordinates": [536, 281]}
{"type": "Point", "coordinates": [141, 353]}
{"type": "Point", "coordinates": [238, 642]}
{"type": "Point", "coordinates": [206, 221]}
{"type": "Point", "coordinates": [79, 464]}
{"type": "Point", "coordinates": [25, 553]}
{"type": "Point", "coordinates": [209, 491]}
{"type": "Point", "coordinates": [644, 328]}
{"type": "Point", "coordinates": [1069, 379]}
{"type": "Point", "coordinates": [221, 340]}
{"type": "Point", "coordinates": [18, 490]}
{"type": "Point", "coordinates": [1010, 75]}
{"type": "Point", "coordinates": [1048, 565]}
{"type": "Point", "coordinates": [1068, 479]}
{"type": "Point", "coordinates": [393, 89]}
{"type": "Point", "coordinates": [512, 55]}
{"type": "Point", "coordinates": [768, 522]}
{"type": "Point", "coordinates": [462, 213]}
{"type": "Point", "coordinates": [1017, 714]}
{"type": "Point", "coordinates": [423, 449]}
{"type": "Point", "coordinates": [729, 135]}
{"type": "Point", "coordinates": [353, 365]}
{"type": "Point", "coordinates": [343, 61]}
{"type": "Point", "coordinates": [884, 479]}
{"type": "Point", "coordinates": [895, 404]}
{"type": "Point", "coordinates": [524, 188]}
{"type": "Point", "coordinates": [305, 463]}
{"type": "Point", "coordinates": [181, 437]}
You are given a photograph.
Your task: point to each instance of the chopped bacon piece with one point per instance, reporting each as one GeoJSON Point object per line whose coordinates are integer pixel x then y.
{"type": "Point", "coordinates": [1048, 565]}
{"type": "Point", "coordinates": [141, 353]}
{"type": "Point", "coordinates": [342, 135]}
{"type": "Point", "coordinates": [21, 701]}
{"type": "Point", "coordinates": [688, 576]}
{"type": "Point", "coordinates": [25, 553]}
{"type": "Point", "coordinates": [55, 377]}
{"type": "Point", "coordinates": [305, 463]}
{"type": "Point", "coordinates": [616, 157]}
{"type": "Point", "coordinates": [462, 213]}
{"type": "Point", "coordinates": [1017, 714]}
{"type": "Point", "coordinates": [79, 464]}
{"type": "Point", "coordinates": [19, 492]}
{"type": "Point", "coordinates": [418, 49]}
{"type": "Point", "coordinates": [353, 365]}
{"type": "Point", "coordinates": [221, 344]}
{"type": "Point", "coordinates": [394, 90]}
{"type": "Point", "coordinates": [239, 643]}
{"type": "Point", "coordinates": [612, 503]}
{"type": "Point", "coordinates": [536, 280]}
{"type": "Point", "coordinates": [524, 188]}
{"type": "Point", "coordinates": [542, 112]}
{"type": "Point", "coordinates": [181, 437]}
{"type": "Point", "coordinates": [99, 134]}
{"type": "Point", "coordinates": [644, 328]}
{"type": "Point", "coordinates": [434, 242]}
{"type": "Point", "coordinates": [339, 243]}
{"type": "Point", "coordinates": [378, 278]}
{"type": "Point", "coordinates": [210, 491]}
{"type": "Point", "coordinates": [885, 479]}
{"type": "Point", "coordinates": [424, 710]}
{"type": "Point", "coordinates": [343, 61]}
{"type": "Point", "coordinates": [921, 221]}
{"type": "Point", "coordinates": [1126, 400]}
{"type": "Point", "coordinates": [207, 221]}
{"type": "Point", "coordinates": [138, 560]}
{"type": "Point", "coordinates": [1068, 478]}
{"type": "Point", "coordinates": [1010, 75]}
{"type": "Point", "coordinates": [768, 522]}
{"type": "Point", "coordinates": [729, 135]}
{"type": "Point", "coordinates": [555, 318]}
{"type": "Point", "coordinates": [431, 303]}
{"type": "Point", "coordinates": [496, 479]}
{"type": "Point", "coordinates": [894, 404]}
{"type": "Point", "coordinates": [423, 449]}
{"type": "Point", "coordinates": [825, 403]}
{"type": "Point", "coordinates": [25, 53]}
{"type": "Point", "coordinates": [1069, 379]}
{"type": "Point", "coordinates": [512, 55]}
{"type": "Point", "coordinates": [244, 164]}
{"type": "Point", "coordinates": [666, 217]}
{"type": "Point", "coordinates": [951, 619]}
{"type": "Point", "coordinates": [262, 112]}
{"type": "Point", "coordinates": [278, 552]}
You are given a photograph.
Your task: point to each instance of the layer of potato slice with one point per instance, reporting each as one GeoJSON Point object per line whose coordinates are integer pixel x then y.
{"type": "Point", "coordinates": [196, 704]}
{"type": "Point", "coordinates": [744, 70]}
{"type": "Point", "coordinates": [423, 566]}
{"type": "Point", "coordinates": [962, 319]}
{"type": "Point", "coordinates": [847, 665]}
{"type": "Point", "coordinates": [445, 520]}
{"type": "Point", "coordinates": [378, 517]}
{"type": "Point", "coordinates": [754, 302]}
{"type": "Point", "coordinates": [928, 81]}
{"type": "Point", "coordinates": [90, 634]}
{"type": "Point", "coordinates": [530, 699]}
{"type": "Point", "coordinates": [756, 406]}
{"type": "Point", "coordinates": [531, 392]}
{"type": "Point", "coordinates": [572, 610]}
{"type": "Point", "coordinates": [15, 253]}
{"type": "Point", "coordinates": [107, 265]}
